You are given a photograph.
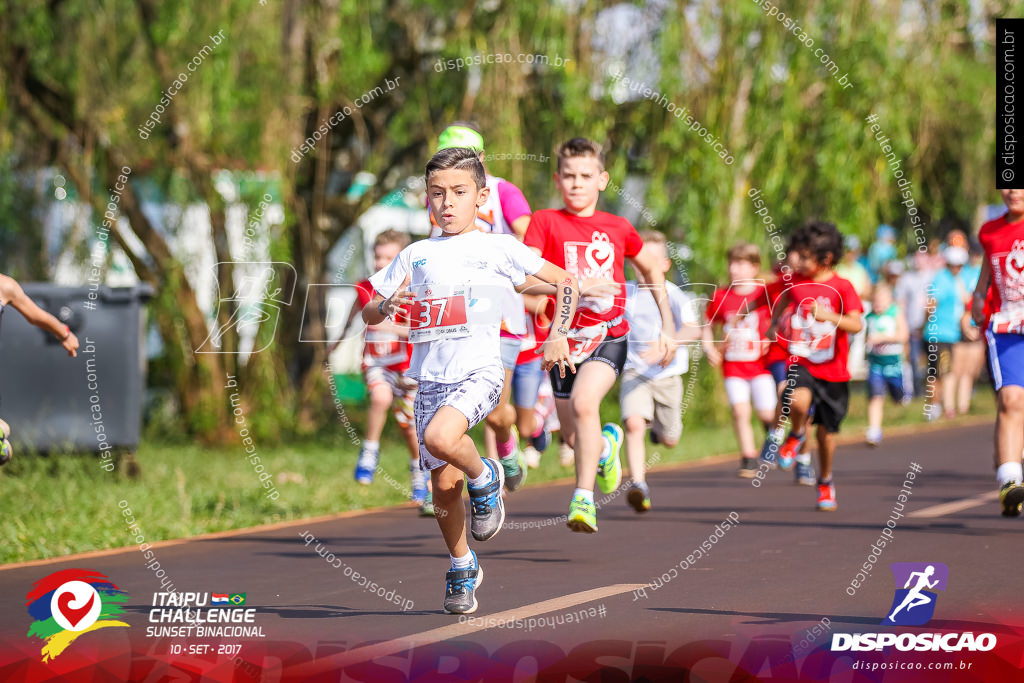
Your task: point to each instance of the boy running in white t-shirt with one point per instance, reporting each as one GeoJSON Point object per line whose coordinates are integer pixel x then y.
{"type": "Point", "coordinates": [454, 284]}
{"type": "Point", "coordinates": [652, 394]}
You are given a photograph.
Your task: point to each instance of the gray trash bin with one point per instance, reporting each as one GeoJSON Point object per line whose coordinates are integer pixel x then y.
{"type": "Point", "coordinates": [91, 403]}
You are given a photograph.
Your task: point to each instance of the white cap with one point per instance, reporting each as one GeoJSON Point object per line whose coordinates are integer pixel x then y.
{"type": "Point", "coordinates": [955, 256]}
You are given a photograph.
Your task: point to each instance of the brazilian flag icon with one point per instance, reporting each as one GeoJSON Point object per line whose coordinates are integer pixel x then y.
{"type": "Point", "coordinates": [237, 598]}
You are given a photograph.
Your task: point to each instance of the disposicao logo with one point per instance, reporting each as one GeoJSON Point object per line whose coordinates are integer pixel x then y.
{"type": "Point", "coordinates": [69, 603]}
{"type": "Point", "coordinates": [913, 604]}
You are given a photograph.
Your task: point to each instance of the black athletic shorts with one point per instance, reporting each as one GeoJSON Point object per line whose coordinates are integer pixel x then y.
{"type": "Point", "coordinates": [611, 351]}
{"type": "Point", "coordinates": [829, 400]}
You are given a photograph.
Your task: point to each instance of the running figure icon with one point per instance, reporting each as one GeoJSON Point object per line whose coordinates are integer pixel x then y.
{"type": "Point", "coordinates": [915, 597]}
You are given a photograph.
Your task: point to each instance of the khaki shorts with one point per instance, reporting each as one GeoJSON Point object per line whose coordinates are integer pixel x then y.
{"type": "Point", "coordinates": [659, 401]}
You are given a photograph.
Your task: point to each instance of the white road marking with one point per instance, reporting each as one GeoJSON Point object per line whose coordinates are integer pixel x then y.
{"type": "Point", "coordinates": [472, 624]}
{"type": "Point", "coordinates": [956, 505]}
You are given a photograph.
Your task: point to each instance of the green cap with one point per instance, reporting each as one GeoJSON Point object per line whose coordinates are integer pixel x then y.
{"type": "Point", "coordinates": [460, 136]}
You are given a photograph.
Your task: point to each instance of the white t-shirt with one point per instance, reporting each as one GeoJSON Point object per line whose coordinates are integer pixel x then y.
{"type": "Point", "coordinates": [460, 284]}
{"type": "Point", "coordinates": [645, 325]}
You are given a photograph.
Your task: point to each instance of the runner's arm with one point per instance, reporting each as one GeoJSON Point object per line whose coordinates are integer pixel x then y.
{"type": "Point", "coordinates": [12, 293]}
{"type": "Point", "coordinates": [980, 294]}
{"type": "Point", "coordinates": [556, 348]}
{"type": "Point", "coordinates": [648, 268]}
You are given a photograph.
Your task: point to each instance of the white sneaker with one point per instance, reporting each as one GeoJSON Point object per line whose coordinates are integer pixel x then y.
{"type": "Point", "coordinates": [532, 457]}
{"type": "Point", "coordinates": [874, 436]}
{"type": "Point", "coordinates": [566, 455]}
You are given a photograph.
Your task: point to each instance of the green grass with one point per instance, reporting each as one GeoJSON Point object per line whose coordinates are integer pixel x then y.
{"type": "Point", "coordinates": [61, 504]}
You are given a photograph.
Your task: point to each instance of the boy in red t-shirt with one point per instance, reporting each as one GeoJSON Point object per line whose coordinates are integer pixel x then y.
{"type": "Point", "coordinates": [824, 310]}
{"type": "Point", "coordinates": [386, 354]}
{"type": "Point", "coordinates": [742, 311]}
{"type": "Point", "coordinates": [593, 246]}
{"type": "Point", "coordinates": [1001, 285]}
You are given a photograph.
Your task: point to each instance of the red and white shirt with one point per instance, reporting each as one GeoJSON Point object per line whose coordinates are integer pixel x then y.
{"type": "Point", "coordinates": [384, 349]}
{"type": "Point", "coordinates": [595, 246]}
{"type": "Point", "coordinates": [745, 319]}
{"type": "Point", "coordinates": [1003, 243]}
{"type": "Point", "coordinates": [818, 345]}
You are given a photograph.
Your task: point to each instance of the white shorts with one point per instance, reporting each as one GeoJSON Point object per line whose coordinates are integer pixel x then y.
{"type": "Point", "coordinates": [762, 389]}
{"type": "Point", "coordinates": [403, 389]}
{"type": "Point", "coordinates": [475, 397]}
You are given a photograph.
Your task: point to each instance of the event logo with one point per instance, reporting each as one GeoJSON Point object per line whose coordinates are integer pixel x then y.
{"type": "Point", "coordinates": [914, 601]}
{"type": "Point", "coordinates": [69, 603]}
{"type": "Point", "coordinates": [913, 605]}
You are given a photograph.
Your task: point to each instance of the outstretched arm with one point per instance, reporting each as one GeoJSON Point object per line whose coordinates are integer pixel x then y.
{"type": "Point", "coordinates": [12, 293]}
{"type": "Point", "coordinates": [556, 348]}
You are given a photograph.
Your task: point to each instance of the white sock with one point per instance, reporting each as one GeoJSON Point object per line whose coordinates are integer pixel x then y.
{"type": "Point", "coordinates": [464, 562]}
{"type": "Point", "coordinates": [485, 478]}
{"type": "Point", "coordinates": [804, 458]}
{"type": "Point", "coordinates": [606, 451]}
{"type": "Point", "coordinates": [587, 495]}
{"type": "Point", "coordinates": [372, 446]}
{"type": "Point", "coordinates": [1009, 471]}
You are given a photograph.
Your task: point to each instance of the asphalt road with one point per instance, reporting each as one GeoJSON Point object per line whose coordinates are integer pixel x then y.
{"type": "Point", "coordinates": [761, 601]}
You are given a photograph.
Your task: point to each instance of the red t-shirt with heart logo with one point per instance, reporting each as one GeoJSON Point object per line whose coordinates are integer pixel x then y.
{"type": "Point", "coordinates": [1003, 243]}
{"type": "Point", "coordinates": [592, 247]}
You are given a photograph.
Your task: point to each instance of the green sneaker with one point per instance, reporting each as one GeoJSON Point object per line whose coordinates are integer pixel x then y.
{"type": "Point", "coordinates": [609, 473]}
{"type": "Point", "coordinates": [427, 506]}
{"type": "Point", "coordinates": [514, 466]}
{"type": "Point", "coordinates": [582, 515]}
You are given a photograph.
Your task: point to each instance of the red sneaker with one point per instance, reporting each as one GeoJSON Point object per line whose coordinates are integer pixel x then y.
{"type": "Point", "coordinates": [826, 497]}
{"type": "Point", "coordinates": [793, 446]}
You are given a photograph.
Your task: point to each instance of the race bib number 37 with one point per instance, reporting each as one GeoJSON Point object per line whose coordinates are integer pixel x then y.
{"type": "Point", "coordinates": [441, 317]}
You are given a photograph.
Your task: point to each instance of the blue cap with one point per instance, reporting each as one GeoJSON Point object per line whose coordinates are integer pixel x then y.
{"type": "Point", "coordinates": [885, 232]}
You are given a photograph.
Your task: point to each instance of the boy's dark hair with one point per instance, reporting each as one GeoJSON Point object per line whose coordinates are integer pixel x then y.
{"type": "Point", "coordinates": [822, 239]}
{"type": "Point", "coordinates": [392, 236]}
{"type": "Point", "coordinates": [461, 158]}
{"type": "Point", "coordinates": [580, 147]}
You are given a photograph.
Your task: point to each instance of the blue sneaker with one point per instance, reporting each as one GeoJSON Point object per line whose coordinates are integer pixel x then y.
{"type": "Point", "coordinates": [542, 440]}
{"type": "Point", "coordinates": [609, 472]}
{"type": "Point", "coordinates": [488, 509]}
{"type": "Point", "coordinates": [366, 466]}
{"type": "Point", "coordinates": [770, 450]}
{"type": "Point", "coordinates": [419, 482]}
{"type": "Point", "coordinates": [460, 588]}
{"type": "Point", "coordinates": [804, 474]}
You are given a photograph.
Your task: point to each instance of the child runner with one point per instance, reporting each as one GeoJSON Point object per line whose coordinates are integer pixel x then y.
{"type": "Point", "coordinates": [742, 311]}
{"type": "Point", "coordinates": [11, 294]}
{"type": "Point", "coordinates": [887, 333]}
{"type": "Point", "coordinates": [825, 311]}
{"type": "Point", "coordinates": [593, 245]}
{"type": "Point", "coordinates": [386, 354]}
{"type": "Point", "coordinates": [1003, 272]}
{"type": "Point", "coordinates": [458, 279]}
{"type": "Point", "coordinates": [650, 393]}
{"type": "Point", "coordinates": [777, 359]}
{"type": "Point", "coordinates": [506, 212]}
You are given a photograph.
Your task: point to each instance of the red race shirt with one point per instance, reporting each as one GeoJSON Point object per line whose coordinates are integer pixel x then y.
{"type": "Point", "coordinates": [595, 246]}
{"type": "Point", "coordinates": [744, 319]}
{"type": "Point", "coordinates": [1004, 250]}
{"type": "Point", "coordinates": [820, 346]}
{"type": "Point", "coordinates": [778, 351]}
{"type": "Point", "coordinates": [384, 349]}
{"type": "Point", "coordinates": [536, 335]}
